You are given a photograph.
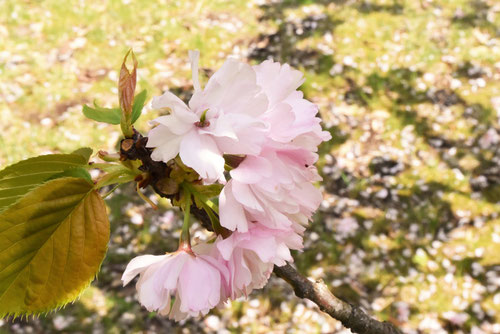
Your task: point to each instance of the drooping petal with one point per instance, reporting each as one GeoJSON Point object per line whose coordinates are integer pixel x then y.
{"type": "Point", "coordinates": [231, 212]}
{"type": "Point", "coordinates": [167, 144]}
{"type": "Point", "coordinates": [200, 152]}
{"type": "Point", "coordinates": [168, 274]}
{"type": "Point", "coordinates": [244, 195]}
{"type": "Point", "coordinates": [159, 135]}
{"type": "Point", "coordinates": [199, 282]}
{"type": "Point", "coordinates": [138, 265]}
{"type": "Point", "coordinates": [226, 247]}
{"type": "Point", "coordinates": [166, 309]}
{"type": "Point", "coordinates": [199, 287]}
{"type": "Point", "coordinates": [175, 312]}
{"type": "Point", "coordinates": [150, 292]}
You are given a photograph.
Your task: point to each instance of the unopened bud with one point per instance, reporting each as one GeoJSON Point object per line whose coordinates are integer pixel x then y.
{"type": "Point", "coordinates": [167, 186]}
{"type": "Point", "coordinates": [126, 89]}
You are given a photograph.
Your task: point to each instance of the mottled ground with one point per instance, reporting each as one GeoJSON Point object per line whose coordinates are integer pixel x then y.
{"type": "Point", "coordinates": [410, 90]}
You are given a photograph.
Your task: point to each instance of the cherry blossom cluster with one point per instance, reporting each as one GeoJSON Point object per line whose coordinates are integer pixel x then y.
{"type": "Point", "coordinates": [256, 113]}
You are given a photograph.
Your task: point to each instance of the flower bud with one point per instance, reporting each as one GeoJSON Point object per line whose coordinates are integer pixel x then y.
{"type": "Point", "coordinates": [126, 89]}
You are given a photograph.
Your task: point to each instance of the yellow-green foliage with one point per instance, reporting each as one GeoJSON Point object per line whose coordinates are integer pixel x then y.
{"type": "Point", "coordinates": [52, 243]}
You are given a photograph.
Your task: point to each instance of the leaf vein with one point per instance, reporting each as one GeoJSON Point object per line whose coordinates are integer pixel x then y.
{"type": "Point", "coordinates": [2, 294]}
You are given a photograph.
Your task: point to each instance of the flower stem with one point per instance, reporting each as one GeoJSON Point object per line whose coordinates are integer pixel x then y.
{"type": "Point", "coordinates": [210, 208]}
{"type": "Point", "coordinates": [202, 198]}
{"type": "Point", "coordinates": [185, 241]}
{"type": "Point", "coordinates": [145, 198]}
{"type": "Point", "coordinates": [111, 191]}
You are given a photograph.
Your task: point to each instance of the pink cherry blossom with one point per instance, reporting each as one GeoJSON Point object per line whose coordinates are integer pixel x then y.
{"type": "Point", "coordinates": [221, 119]}
{"type": "Point", "coordinates": [252, 111]}
{"type": "Point", "coordinates": [241, 109]}
{"type": "Point", "coordinates": [197, 281]}
{"type": "Point", "coordinates": [251, 256]}
{"type": "Point", "coordinates": [247, 272]}
{"type": "Point", "coordinates": [274, 189]}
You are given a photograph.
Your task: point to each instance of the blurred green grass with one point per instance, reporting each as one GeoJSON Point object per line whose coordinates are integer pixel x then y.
{"type": "Point", "coordinates": [410, 82]}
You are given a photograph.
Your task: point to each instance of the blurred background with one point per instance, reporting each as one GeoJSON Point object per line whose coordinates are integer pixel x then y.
{"type": "Point", "coordinates": [409, 227]}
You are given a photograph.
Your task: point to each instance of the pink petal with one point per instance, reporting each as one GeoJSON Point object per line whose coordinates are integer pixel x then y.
{"type": "Point", "coordinates": [244, 195]}
{"type": "Point", "coordinates": [160, 135]}
{"type": "Point", "coordinates": [221, 127]}
{"type": "Point", "coordinates": [199, 286]}
{"type": "Point", "coordinates": [150, 293]}
{"type": "Point", "coordinates": [231, 212]}
{"type": "Point", "coordinates": [178, 123]}
{"type": "Point", "coordinates": [252, 170]}
{"type": "Point", "coordinates": [138, 265]}
{"type": "Point", "coordinates": [166, 150]}
{"type": "Point", "coordinates": [278, 81]}
{"type": "Point", "coordinates": [232, 89]}
{"type": "Point", "coordinates": [168, 100]}
{"type": "Point", "coordinates": [168, 274]}
{"type": "Point", "coordinates": [200, 153]}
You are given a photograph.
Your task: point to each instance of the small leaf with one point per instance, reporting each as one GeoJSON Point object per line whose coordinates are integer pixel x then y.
{"type": "Point", "coordinates": [85, 152]}
{"type": "Point", "coordinates": [104, 115]}
{"type": "Point", "coordinates": [52, 243]}
{"type": "Point", "coordinates": [18, 179]}
{"type": "Point", "coordinates": [139, 101]}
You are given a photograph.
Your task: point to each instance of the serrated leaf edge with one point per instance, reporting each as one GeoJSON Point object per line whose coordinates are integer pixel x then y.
{"type": "Point", "coordinates": [72, 298]}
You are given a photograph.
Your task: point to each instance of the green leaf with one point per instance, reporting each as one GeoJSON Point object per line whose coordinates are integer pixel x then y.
{"type": "Point", "coordinates": [139, 101]}
{"type": "Point", "coordinates": [104, 115]}
{"type": "Point", "coordinates": [74, 172]}
{"type": "Point", "coordinates": [18, 179]}
{"type": "Point", "coordinates": [85, 152]}
{"type": "Point", "coordinates": [113, 115]}
{"type": "Point", "coordinates": [202, 195]}
{"type": "Point", "coordinates": [52, 243]}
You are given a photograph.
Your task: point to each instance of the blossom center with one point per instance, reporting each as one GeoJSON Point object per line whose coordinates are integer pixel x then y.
{"type": "Point", "coordinates": [203, 120]}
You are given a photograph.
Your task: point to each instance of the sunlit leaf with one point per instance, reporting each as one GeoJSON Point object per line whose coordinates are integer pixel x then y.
{"type": "Point", "coordinates": [18, 179]}
{"type": "Point", "coordinates": [85, 152]}
{"type": "Point", "coordinates": [52, 243]}
{"type": "Point", "coordinates": [74, 172]}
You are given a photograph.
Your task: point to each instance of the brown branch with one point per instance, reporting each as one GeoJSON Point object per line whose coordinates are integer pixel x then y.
{"type": "Point", "coordinates": [349, 315]}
